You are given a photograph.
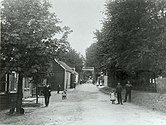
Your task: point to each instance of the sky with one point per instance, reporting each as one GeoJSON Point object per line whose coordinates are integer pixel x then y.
{"type": "Point", "coordinates": [83, 17]}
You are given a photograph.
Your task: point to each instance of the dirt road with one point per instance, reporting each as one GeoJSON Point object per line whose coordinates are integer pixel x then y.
{"type": "Point", "coordinates": [85, 105]}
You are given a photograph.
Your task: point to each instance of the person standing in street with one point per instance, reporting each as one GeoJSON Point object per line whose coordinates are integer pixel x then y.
{"type": "Point", "coordinates": [113, 96]}
{"type": "Point", "coordinates": [128, 88]}
{"type": "Point", "coordinates": [59, 87]}
{"type": "Point", "coordinates": [119, 93]}
{"type": "Point", "coordinates": [64, 95]}
{"type": "Point", "coordinates": [47, 94]}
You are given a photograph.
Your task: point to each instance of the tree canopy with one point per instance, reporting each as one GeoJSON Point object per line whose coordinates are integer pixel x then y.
{"type": "Point", "coordinates": [28, 42]}
{"type": "Point", "coordinates": [133, 36]}
{"type": "Point", "coordinates": [73, 59]}
{"type": "Point", "coordinates": [28, 30]}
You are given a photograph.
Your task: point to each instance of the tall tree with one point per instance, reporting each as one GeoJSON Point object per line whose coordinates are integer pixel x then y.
{"type": "Point", "coordinates": [27, 43]}
{"type": "Point", "coordinates": [91, 56]}
{"type": "Point", "coordinates": [131, 34]}
{"type": "Point", "coordinates": [132, 37]}
{"type": "Point", "coordinates": [73, 59]}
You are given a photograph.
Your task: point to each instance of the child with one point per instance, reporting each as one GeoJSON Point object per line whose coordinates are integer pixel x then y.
{"type": "Point", "coordinates": [113, 96]}
{"type": "Point", "coordinates": [64, 95]}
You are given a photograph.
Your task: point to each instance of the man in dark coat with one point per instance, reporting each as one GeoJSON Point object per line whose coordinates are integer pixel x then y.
{"type": "Point", "coordinates": [119, 93]}
{"type": "Point", "coordinates": [47, 94]}
{"type": "Point", "coordinates": [59, 87]}
{"type": "Point", "coordinates": [128, 88]}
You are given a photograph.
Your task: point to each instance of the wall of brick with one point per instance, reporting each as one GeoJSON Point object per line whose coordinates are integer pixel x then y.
{"type": "Point", "coordinates": [154, 101]}
{"type": "Point", "coordinates": [161, 85]}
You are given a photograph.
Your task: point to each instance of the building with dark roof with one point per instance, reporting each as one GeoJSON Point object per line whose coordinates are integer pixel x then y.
{"type": "Point", "coordinates": [63, 75]}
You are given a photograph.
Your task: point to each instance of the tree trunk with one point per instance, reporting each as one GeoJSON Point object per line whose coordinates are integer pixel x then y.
{"type": "Point", "coordinates": [36, 92]}
{"type": "Point", "coordinates": [19, 94]}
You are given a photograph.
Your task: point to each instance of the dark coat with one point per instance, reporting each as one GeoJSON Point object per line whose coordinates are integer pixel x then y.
{"type": "Point", "coordinates": [128, 87]}
{"type": "Point", "coordinates": [119, 89]}
{"type": "Point", "coordinates": [47, 91]}
{"type": "Point", "coordinates": [59, 87]}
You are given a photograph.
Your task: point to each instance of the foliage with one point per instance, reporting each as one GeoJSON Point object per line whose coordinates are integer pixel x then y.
{"type": "Point", "coordinates": [91, 56]}
{"type": "Point", "coordinates": [27, 43]}
{"type": "Point", "coordinates": [73, 59]}
{"type": "Point", "coordinates": [28, 40]}
{"type": "Point", "coordinates": [133, 36]}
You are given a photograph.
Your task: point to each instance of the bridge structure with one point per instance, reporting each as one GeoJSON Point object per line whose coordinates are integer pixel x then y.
{"type": "Point", "coordinates": [86, 71]}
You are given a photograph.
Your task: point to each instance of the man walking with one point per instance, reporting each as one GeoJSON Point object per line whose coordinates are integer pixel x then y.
{"type": "Point", "coordinates": [128, 88]}
{"type": "Point", "coordinates": [47, 93]}
{"type": "Point", "coordinates": [119, 93]}
{"type": "Point", "coordinates": [59, 87]}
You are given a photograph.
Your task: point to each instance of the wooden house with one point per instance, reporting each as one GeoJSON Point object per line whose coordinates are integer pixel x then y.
{"type": "Point", "coordinates": [61, 74]}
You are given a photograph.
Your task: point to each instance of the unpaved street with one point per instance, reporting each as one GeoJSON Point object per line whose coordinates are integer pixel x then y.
{"type": "Point", "coordinates": [85, 105]}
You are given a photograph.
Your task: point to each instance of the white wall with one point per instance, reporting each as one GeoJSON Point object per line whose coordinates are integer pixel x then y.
{"type": "Point", "coordinates": [76, 79]}
{"type": "Point", "coordinates": [105, 80]}
{"type": "Point", "coordinates": [67, 80]}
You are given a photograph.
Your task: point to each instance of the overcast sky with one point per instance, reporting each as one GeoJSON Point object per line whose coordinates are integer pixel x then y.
{"type": "Point", "coordinates": [83, 17]}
